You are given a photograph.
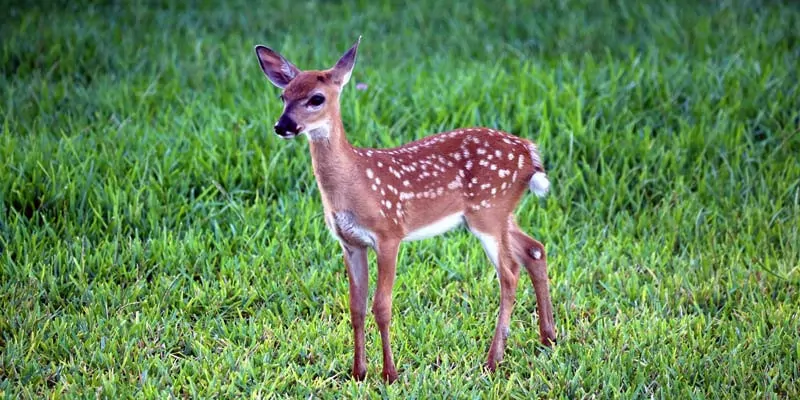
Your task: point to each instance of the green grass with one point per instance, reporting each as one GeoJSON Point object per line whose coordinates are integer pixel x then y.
{"type": "Point", "coordinates": [157, 240]}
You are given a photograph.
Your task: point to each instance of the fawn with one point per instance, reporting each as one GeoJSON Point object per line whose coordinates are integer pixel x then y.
{"type": "Point", "coordinates": [378, 198]}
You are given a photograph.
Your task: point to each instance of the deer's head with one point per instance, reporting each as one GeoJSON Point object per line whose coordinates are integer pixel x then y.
{"type": "Point", "coordinates": [310, 98]}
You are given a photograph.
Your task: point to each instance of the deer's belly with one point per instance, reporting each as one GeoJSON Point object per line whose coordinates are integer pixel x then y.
{"type": "Point", "coordinates": [436, 228]}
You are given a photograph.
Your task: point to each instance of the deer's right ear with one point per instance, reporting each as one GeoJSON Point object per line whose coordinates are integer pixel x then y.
{"type": "Point", "coordinates": [279, 71]}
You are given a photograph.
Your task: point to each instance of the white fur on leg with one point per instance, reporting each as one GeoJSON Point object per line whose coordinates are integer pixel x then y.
{"type": "Point", "coordinates": [490, 246]}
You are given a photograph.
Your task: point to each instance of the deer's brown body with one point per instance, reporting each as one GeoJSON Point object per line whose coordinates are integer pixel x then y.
{"type": "Point", "coordinates": [378, 198]}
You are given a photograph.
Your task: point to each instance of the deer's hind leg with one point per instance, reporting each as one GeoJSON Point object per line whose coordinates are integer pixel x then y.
{"type": "Point", "coordinates": [496, 243]}
{"type": "Point", "coordinates": [530, 253]}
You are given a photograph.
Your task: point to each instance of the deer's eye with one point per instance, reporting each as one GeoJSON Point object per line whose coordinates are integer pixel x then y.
{"type": "Point", "coordinates": [316, 100]}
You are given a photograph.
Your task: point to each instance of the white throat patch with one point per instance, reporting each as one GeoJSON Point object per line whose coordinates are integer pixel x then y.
{"type": "Point", "coordinates": [319, 131]}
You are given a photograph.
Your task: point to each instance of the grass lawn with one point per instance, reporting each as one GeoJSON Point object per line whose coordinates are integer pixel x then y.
{"type": "Point", "coordinates": [158, 240]}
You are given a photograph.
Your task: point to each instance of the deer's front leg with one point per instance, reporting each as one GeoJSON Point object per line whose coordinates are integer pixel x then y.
{"type": "Point", "coordinates": [382, 304]}
{"type": "Point", "coordinates": [355, 259]}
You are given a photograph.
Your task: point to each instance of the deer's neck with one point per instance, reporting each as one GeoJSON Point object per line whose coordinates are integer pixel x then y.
{"type": "Point", "coordinates": [332, 158]}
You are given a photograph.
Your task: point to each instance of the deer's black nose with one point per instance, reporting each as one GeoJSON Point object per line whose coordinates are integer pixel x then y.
{"type": "Point", "coordinates": [286, 127]}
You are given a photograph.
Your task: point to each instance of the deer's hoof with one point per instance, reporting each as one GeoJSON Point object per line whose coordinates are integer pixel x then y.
{"type": "Point", "coordinates": [548, 338]}
{"type": "Point", "coordinates": [389, 375]}
{"type": "Point", "coordinates": [492, 362]}
{"type": "Point", "coordinates": [359, 373]}
{"type": "Point", "coordinates": [490, 366]}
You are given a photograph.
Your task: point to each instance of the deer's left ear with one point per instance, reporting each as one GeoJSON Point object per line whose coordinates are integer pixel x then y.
{"type": "Point", "coordinates": [340, 74]}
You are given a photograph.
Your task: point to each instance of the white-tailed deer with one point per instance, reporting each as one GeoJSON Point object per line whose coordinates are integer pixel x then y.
{"type": "Point", "coordinates": [378, 198]}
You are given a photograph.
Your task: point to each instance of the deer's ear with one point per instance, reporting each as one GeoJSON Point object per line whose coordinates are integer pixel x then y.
{"type": "Point", "coordinates": [279, 71]}
{"type": "Point", "coordinates": [341, 72]}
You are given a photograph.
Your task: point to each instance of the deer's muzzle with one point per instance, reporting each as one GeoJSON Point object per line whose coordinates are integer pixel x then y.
{"type": "Point", "coordinates": [286, 127]}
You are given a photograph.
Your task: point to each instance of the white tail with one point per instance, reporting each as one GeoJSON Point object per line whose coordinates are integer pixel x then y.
{"type": "Point", "coordinates": [378, 198]}
{"type": "Point", "coordinates": [539, 184]}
